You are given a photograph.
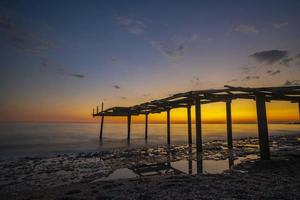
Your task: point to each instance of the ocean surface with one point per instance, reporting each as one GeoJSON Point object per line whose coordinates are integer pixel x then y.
{"type": "Point", "coordinates": [46, 139]}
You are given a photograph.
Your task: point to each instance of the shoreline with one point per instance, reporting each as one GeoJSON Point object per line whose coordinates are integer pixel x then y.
{"type": "Point", "coordinates": [84, 170]}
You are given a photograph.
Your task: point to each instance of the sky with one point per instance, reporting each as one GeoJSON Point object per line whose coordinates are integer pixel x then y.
{"type": "Point", "coordinates": [59, 59]}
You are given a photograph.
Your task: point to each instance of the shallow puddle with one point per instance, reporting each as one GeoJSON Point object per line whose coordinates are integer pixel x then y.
{"type": "Point", "coordinates": [184, 166]}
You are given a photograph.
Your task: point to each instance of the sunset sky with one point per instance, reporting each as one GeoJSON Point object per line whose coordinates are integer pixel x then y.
{"type": "Point", "coordinates": [59, 59]}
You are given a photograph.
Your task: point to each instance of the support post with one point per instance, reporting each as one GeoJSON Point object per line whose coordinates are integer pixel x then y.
{"type": "Point", "coordinates": [299, 109]}
{"type": "Point", "coordinates": [199, 160]}
{"type": "Point", "coordinates": [128, 126]}
{"type": "Point", "coordinates": [198, 124]}
{"type": "Point", "coordinates": [229, 124]}
{"type": "Point", "coordinates": [168, 128]}
{"type": "Point", "coordinates": [146, 126]}
{"type": "Point", "coordinates": [190, 161]}
{"type": "Point", "coordinates": [262, 126]}
{"type": "Point", "coordinates": [189, 119]}
{"type": "Point", "coordinates": [101, 128]}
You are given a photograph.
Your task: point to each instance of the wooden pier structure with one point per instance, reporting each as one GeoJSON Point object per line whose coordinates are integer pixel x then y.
{"type": "Point", "coordinates": [197, 98]}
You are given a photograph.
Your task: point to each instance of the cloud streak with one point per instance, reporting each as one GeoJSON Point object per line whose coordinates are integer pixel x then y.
{"type": "Point", "coordinates": [173, 48]}
{"type": "Point", "coordinates": [272, 73]}
{"type": "Point", "coordinates": [21, 38]}
{"type": "Point", "coordinates": [244, 28]}
{"type": "Point", "coordinates": [248, 78]}
{"type": "Point", "coordinates": [280, 25]}
{"type": "Point", "coordinates": [132, 25]}
{"type": "Point", "coordinates": [286, 61]}
{"type": "Point", "coordinates": [47, 65]}
{"type": "Point", "coordinates": [269, 57]}
{"type": "Point", "coordinates": [290, 83]}
{"type": "Point", "coordinates": [117, 87]}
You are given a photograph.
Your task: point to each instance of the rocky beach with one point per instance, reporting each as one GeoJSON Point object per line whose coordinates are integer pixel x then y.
{"type": "Point", "coordinates": [159, 172]}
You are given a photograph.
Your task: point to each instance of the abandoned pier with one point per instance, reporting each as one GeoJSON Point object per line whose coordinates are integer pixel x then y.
{"type": "Point", "coordinates": [199, 97]}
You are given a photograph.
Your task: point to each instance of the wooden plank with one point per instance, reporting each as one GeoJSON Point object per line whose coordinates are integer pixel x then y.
{"type": "Point", "coordinates": [262, 127]}
{"type": "Point", "coordinates": [229, 124]}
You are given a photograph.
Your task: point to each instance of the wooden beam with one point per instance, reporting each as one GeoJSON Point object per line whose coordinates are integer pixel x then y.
{"type": "Point", "coordinates": [262, 127]}
{"type": "Point", "coordinates": [101, 128]}
{"type": "Point", "coordinates": [189, 121]}
{"type": "Point", "coordinates": [198, 124]}
{"type": "Point", "coordinates": [128, 126]}
{"type": "Point", "coordinates": [229, 124]}
{"type": "Point", "coordinates": [146, 126]}
{"type": "Point", "coordinates": [168, 128]}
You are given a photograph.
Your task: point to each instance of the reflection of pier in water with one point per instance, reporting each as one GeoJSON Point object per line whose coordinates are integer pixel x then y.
{"type": "Point", "coordinates": [189, 165]}
{"type": "Point", "coordinates": [197, 98]}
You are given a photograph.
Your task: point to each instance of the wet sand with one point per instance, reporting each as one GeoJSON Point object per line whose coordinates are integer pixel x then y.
{"type": "Point", "coordinates": [85, 176]}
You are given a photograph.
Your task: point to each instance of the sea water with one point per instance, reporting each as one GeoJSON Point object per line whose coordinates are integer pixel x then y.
{"type": "Point", "coordinates": [44, 139]}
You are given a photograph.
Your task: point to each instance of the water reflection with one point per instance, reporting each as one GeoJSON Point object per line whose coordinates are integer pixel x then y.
{"type": "Point", "coordinates": [192, 164]}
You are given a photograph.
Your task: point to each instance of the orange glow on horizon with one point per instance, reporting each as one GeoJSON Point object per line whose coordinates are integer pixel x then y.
{"type": "Point", "coordinates": [243, 111]}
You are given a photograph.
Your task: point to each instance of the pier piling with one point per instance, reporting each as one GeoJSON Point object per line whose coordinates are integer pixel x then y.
{"type": "Point", "coordinates": [198, 97]}
{"type": "Point", "coordinates": [128, 126]}
{"type": "Point", "coordinates": [189, 119]}
{"type": "Point", "coordinates": [198, 124]}
{"type": "Point", "coordinates": [299, 109]}
{"type": "Point", "coordinates": [101, 128]}
{"type": "Point", "coordinates": [168, 128]}
{"type": "Point", "coordinates": [229, 124]}
{"type": "Point", "coordinates": [146, 126]}
{"type": "Point", "coordinates": [262, 126]}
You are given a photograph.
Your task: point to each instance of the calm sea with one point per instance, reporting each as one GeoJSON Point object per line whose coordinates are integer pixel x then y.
{"type": "Point", "coordinates": [44, 139]}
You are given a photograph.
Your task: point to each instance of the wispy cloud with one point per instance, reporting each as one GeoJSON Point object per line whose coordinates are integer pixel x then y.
{"type": "Point", "coordinates": [78, 75]}
{"type": "Point", "coordinates": [270, 56]}
{"type": "Point", "coordinates": [244, 28]}
{"type": "Point", "coordinates": [45, 63]}
{"type": "Point", "coordinates": [177, 46]}
{"type": "Point", "coordinates": [173, 48]}
{"type": "Point", "coordinates": [114, 60]}
{"type": "Point", "coordinates": [117, 87]}
{"type": "Point", "coordinates": [133, 26]}
{"type": "Point", "coordinates": [248, 78]}
{"type": "Point", "coordinates": [232, 81]}
{"type": "Point", "coordinates": [195, 81]}
{"type": "Point", "coordinates": [286, 61]}
{"type": "Point", "coordinates": [272, 73]}
{"type": "Point", "coordinates": [280, 25]}
{"type": "Point", "coordinates": [290, 83]}
{"type": "Point", "coordinates": [22, 38]}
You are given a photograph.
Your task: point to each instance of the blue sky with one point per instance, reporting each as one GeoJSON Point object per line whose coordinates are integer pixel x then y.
{"type": "Point", "coordinates": [68, 55]}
